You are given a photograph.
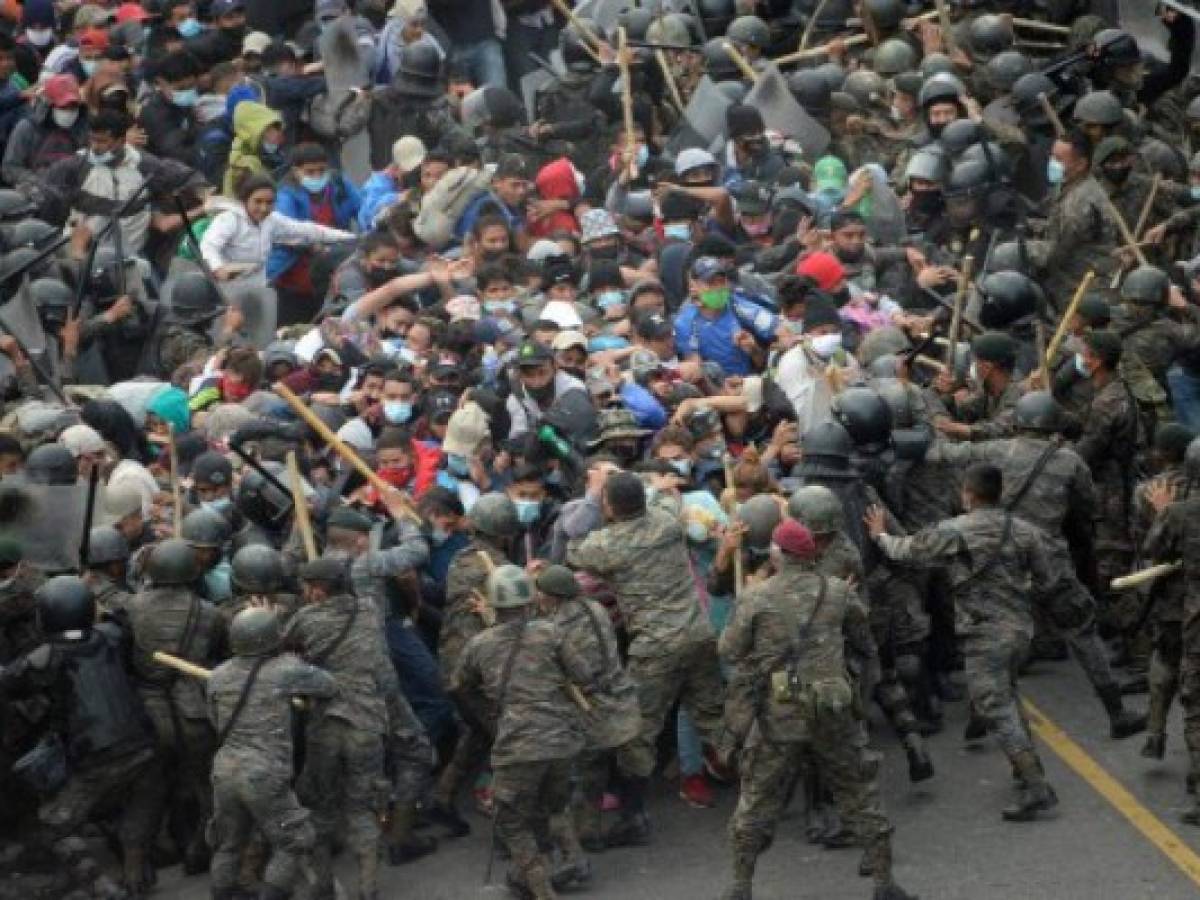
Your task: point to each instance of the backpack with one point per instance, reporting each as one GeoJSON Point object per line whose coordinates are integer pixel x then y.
{"type": "Point", "coordinates": [445, 203]}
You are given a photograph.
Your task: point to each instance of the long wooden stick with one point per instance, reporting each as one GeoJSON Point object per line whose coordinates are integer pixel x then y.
{"type": "Point", "coordinates": [1143, 216]}
{"type": "Point", "coordinates": [739, 575]}
{"type": "Point", "coordinates": [195, 671]}
{"type": "Point", "coordinates": [956, 316]}
{"type": "Point", "coordinates": [342, 449]}
{"type": "Point", "coordinates": [626, 100]}
{"type": "Point", "coordinates": [301, 507]}
{"type": "Point", "coordinates": [1065, 320]}
{"type": "Point", "coordinates": [176, 493]}
{"type": "Point", "coordinates": [1133, 579]}
{"type": "Point", "coordinates": [943, 15]}
{"type": "Point", "coordinates": [1052, 115]}
{"type": "Point", "coordinates": [740, 61]}
{"type": "Point", "coordinates": [669, 78]}
{"type": "Point", "coordinates": [1035, 25]}
{"type": "Point", "coordinates": [588, 38]}
{"type": "Point", "coordinates": [853, 41]}
{"type": "Point", "coordinates": [812, 25]}
{"type": "Point", "coordinates": [1123, 229]}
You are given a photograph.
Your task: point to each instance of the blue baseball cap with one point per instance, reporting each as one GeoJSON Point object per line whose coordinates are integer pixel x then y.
{"type": "Point", "coordinates": [706, 268]}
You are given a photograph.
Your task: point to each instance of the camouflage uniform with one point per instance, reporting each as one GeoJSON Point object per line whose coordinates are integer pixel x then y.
{"type": "Point", "coordinates": [672, 651]}
{"type": "Point", "coordinates": [1079, 236]}
{"type": "Point", "coordinates": [518, 673]}
{"type": "Point", "coordinates": [343, 779]}
{"type": "Point", "coordinates": [252, 770]}
{"type": "Point", "coordinates": [178, 346]}
{"type": "Point", "coordinates": [173, 620]}
{"type": "Point", "coordinates": [793, 624]}
{"type": "Point", "coordinates": [988, 416]}
{"type": "Point", "coordinates": [1155, 339]}
{"type": "Point", "coordinates": [112, 597]}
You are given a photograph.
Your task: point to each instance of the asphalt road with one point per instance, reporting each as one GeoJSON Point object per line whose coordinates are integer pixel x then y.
{"type": "Point", "coordinates": [950, 842]}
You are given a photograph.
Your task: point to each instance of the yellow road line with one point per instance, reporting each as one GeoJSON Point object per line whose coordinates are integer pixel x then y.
{"type": "Point", "coordinates": [1151, 827]}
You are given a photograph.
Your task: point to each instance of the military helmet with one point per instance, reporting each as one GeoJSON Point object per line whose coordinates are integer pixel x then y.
{"type": "Point", "coordinates": [13, 205]}
{"type": "Point", "coordinates": [1163, 158]}
{"type": "Point", "coordinates": [643, 365]}
{"type": "Point", "coordinates": [50, 293]}
{"type": "Point", "coordinates": [575, 50]}
{"type": "Point", "coordinates": [1145, 285]}
{"type": "Point", "coordinates": [717, 62]}
{"type": "Point", "coordinates": [1117, 48]}
{"type": "Point", "coordinates": [990, 34]}
{"type": "Point", "coordinates": [206, 528]}
{"type": "Point", "coordinates": [969, 176]}
{"type": "Point", "coordinates": [760, 514]}
{"type": "Point", "coordinates": [1007, 255]}
{"type": "Point", "coordinates": [1099, 108]}
{"type": "Point", "coordinates": [990, 153]}
{"type": "Point", "coordinates": [194, 300]}
{"type": "Point", "coordinates": [51, 464]}
{"type": "Point", "coordinates": [749, 30]}
{"type": "Point", "coordinates": [818, 508]}
{"type": "Point", "coordinates": [494, 515]}
{"type": "Point", "coordinates": [636, 22]}
{"type": "Point", "coordinates": [1191, 461]}
{"type": "Point", "coordinates": [833, 73]}
{"type": "Point", "coordinates": [893, 56]}
{"type": "Point", "coordinates": [1004, 69]}
{"type": "Point", "coordinates": [886, 14]}
{"type": "Point", "coordinates": [106, 545]}
{"type": "Point", "coordinates": [421, 60]}
{"type": "Point", "coordinates": [1009, 297]}
{"type": "Point", "coordinates": [1038, 411]}
{"type": "Point", "coordinates": [30, 233]}
{"type": "Point", "coordinates": [260, 500]}
{"type": "Point", "coordinates": [865, 416]}
{"type": "Point", "coordinates": [172, 562]}
{"type": "Point", "coordinates": [1025, 93]}
{"type": "Point", "coordinates": [65, 603]}
{"type": "Point", "coordinates": [928, 164]}
{"type": "Point", "coordinates": [941, 88]}
{"type": "Point", "coordinates": [829, 440]}
{"type": "Point", "coordinates": [255, 631]}
{"type": "Point", "coordinates": [332, 570]}
{"type": "Point", "coordinates": [557, 581]}
{"type": "Point", "coordinates": [960, 134]}
{"type": "Point", "coordinates": [898, 397]}
{"type": "Point", "coordinates": [1193, 109]}
{"type": "Point", "coordinates": [672, 29]}
{"type": "Point", "coordinates": [865, 86]}
{"type": "Point", "coordinates": [716, 15]}
{"type": "Point", "coordinates": [257, 569]}
{"type": "Point", "coordinates": [811, 90]}
{"type": "Point", "coordinates": [509, 587]}
{"type": "Point", "coordinates": [937, 64]}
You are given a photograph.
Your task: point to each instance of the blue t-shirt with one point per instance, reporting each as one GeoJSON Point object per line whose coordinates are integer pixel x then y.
{"type": "Point", "coordinates": [712, 339]}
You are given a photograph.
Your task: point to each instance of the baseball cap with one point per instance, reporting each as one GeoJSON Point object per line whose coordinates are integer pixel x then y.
{"type": "Point", "coordinates": [543, 249]}
{"type": "Point", "coordinates": [693, 158]}
{"type": "Point", "coordinates": [829, 174]}
{"type": "Point", "coordinates": [135, 12]}
{"type": "Point", "coordinates": [89, 14]}
{"type": "Point", "coordinates": [468, 428]}
{"type": "Point", "coordinates": [562, 314]}
{"type": "Point", "coordinates": [513, 165]}
{"type": "Point", "coordinates": [595, 224]}
{"type": "Point", "coordinates": [565, 340]}
{"type": "Point", "coordinates": [464, 306]}
{"type": "Point", "coordinates": [81, 439]}
{"type": "Point", "coordinates": [706, 268]}
{"type": "Point", "coordinates": [255, 42]}
{"type": "Point", "coordinates": [211, 467]}
{"type": "Point", "coordinates": [823, 268]}
{"type": "Point", "coordinates": [220, 8]}
{"type": "Point", "coordinates": [93, 39]}
{"type": "Point", "coordinates": [654, 328]}
{"type": "Point", "coordinates": [534, 354]}
{"type": "Point", "coordinates": [62, 90]}
{"type": "Point", "coordinates": [752, 198]}
{"type": "Point", "coordinates": [408, 153]}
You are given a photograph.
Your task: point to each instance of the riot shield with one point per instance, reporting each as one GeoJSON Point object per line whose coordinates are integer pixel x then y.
{"type": "Point", "coordinates": [51, 523]}
{"type": "Point", "coordinates": [783, 114]}
{"type": "Point", "coordinates": [703, 122]}
{"type": "Point", "coordinates": [347, 67]}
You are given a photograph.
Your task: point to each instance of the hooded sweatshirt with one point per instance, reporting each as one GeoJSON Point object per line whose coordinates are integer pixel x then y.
{"type": "Point", "coordinates": [250, 120]}
{"type": "Point", "coordinates": [556, 181]}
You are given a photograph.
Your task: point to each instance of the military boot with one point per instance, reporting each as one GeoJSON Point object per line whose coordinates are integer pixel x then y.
{"type": "Point", "coordinates": [633, 827]}
{"type": "Point", "coordinates": [977, 726]}
{"type": "Point", "coordinates": [589, 825]}
{"type": "Point", "coordinates": [138, 874]}
{"type": "Point", "coordinates": [537, 880]}
{"type": "Point", "coordinates": [1122, 722]}
{"type": "Point", "coordinates": [368, 874]}
{"type": "Point", "coordinates": [573, 867]}
{"type": "Point", "coordinates": [448, 817]}
{"type": "Point", "coordinates": [1034, 794]}
{"type": "Point", "coordinates": [920, 766]}
{"type": "Point", "coordinates": [743, 875]}
{"type": "Point", "coordinates": [404, 844]}
{"type": "Point", "coordinates": [271, 892]}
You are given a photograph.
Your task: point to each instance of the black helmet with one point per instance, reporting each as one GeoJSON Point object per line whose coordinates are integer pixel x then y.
{"type": "Point", "coordinates": [51, 464]}
{"type": "Point", "coordinates": [1099, 108]}
{"type": "Point", "coordinates": [206, 529]}
{"type": "Point", "coordinates": [893, 56]}
{"type": "Point", "coordinates": [1009, 297]}
{"type": "Point", "coordinates": [260, 501]}
{"type": "Point", "coordinates": [1008, 255]}
{"type": "Point", "coordinates": [937, 64]}
{"type": "Point", "coordinates": [829, 442]}
{"type": "Point", "coordinates": [1144, 286]}
{"type": "Point", "coordinates": [255, 632]}
{"type": "Point", "coordinates": [929, 164]}
{"type": "Point", "coordinates": [760, 514]}
{"type": "Point", "coordinates": [52, 298]}
{"type": "Point", "coordinates": [811, 90]}
{"type": "Point", "coordinates": [257, 570]}
{"type": "Point", "coordinates": [960, 134]}
{"type": "Point", "coordinates": [886, 14]}
{"type": "Point", "coordinates": [717, 63]}
{"type": "Point", "coordinates": [941, 88]}
{"type": "Point", "coordinates": [990, 34]}
{"type": "Point", "coordinates": [194, 300]}
{"type": "Point", "coordinates": [1025, 93]}
{"type": "Point", "coordinates": [574, 51]}
{"type": "Point", "coordinates": [636, 22]}
{"type": "Point", "coordinates": [867, 87]}
{"type": "Point", "coordinates": [716, 15]}
{"type": "Point", "coordinates": [749, 30]}
{"type": "Point", "coordinates": [866, 417]}
{"type": "Point", "coordinates": [65, 603]}
{"type": "Point", "coordinates": [1117, 48]}
{"type": "Point", "coordinates": [1038, 411]}
{"type": "Point", "coordinates": [14, 206]}
{"type": "Point", "coordinates": [106, 545]}
{"type": "Point", "coordinates": [494, 515]}
{"type": "Point", "coordinates": [991, 154]}
{"type": "Point", "coordinates": [969, 176]}
{"type": "Point", "coordinates": [172, 562]}
{"type": "Point", "coordinates": [421, 61]}
{"type": "Point", "coordinates": [896, 395]}
{"type": "Point", "coordinates": [1005, 69]}
{"type": "Point", "coordinates": [30, 233]}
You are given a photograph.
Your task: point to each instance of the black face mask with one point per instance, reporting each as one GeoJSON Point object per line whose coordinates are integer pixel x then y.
{"type": "Point", "coordinates": [935, 131]}
{"type": "Point", "coordinates": [329, 382]}
{"type": "Point", "coordinates": [380, 276]}
{"type": "Point", "coordinates": [492, 256]}
{"type": "Point", "coordinates": [625, 452]}
{"type": "Point", "coordinates": [927, 203]}
{"type": "Point", "coordinates": [1118, 175]}
{"type": "Point", "coordinates": [754, 148]}
{"type": "Point", "coordinates": [851, 256]}
{"type": "Point", "coordinates": [605, 251]}
{"type": "Point", "coordinates": [543, 393]}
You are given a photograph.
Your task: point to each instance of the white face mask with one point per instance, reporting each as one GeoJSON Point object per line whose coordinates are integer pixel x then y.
{"type": "Point", "coordinates": [825, 345]}
{"type": "Point", "coordinates": [40, 37]}
{"type": "Point", "coordinates": [65, 118]}
{"type": "Point", "coordinates": [973, 372]}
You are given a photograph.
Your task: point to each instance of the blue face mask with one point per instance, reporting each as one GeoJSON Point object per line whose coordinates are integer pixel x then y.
{"type": "Point", "coordinates": [1055, 171]}
{"type": "Point", "coordinates": [500, 307]}
{"type": "Point", "coordinates": [643, 156]}
{"type": "Point", "coordinates": [185, 98]}
{"type": "Point", "coordinates": [270, 147]}
{"type": "Point", "coordinates": [1195, 191]}
{"type": "Point", "coordinates": [397, 411]}
{"type": "Point", "coordinates": [88, 66]}
{"type": "Point", "coordinates": [609, 299]}
{"type": "Point", "coordinates": [438, 536]}
{"type": "Point", "coordinates": [1081, 366]}
{"type": "Point", "coordinates": [678, 231]}
{"type": "Point", "coordinates": [220, 506]}
{"type": "Point", "coordinates": [458, 466]}
{"type": "Point", "coordinates": [100, 159]}
{"type": "Point", "coordinates": [189, 28]}
{"type": "Point", "coordinates": [315, 184]}
{"type": "Point", "coordinates": [528, 511]}
{"type": "Point", "coordinates": [682, 466]}
{"type": "Point", "coordinates": [217, 583]}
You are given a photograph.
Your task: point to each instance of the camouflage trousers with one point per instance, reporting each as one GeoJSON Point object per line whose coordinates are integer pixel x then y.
{"type": "Point", "coordinates": [1165, 663]}
{"type": "Point", "coordinates": [990, 665]}
{"type": "Point", "coordinates": [533, 804]}
{"type": "Point", "coordinates": [1189, 683]}
{"type": "Point", "coordinates": [249, 798]}
{"type": "Point", "coordinates": [691, 676]}
{"type": "Point", "coordinates": [185, 747]}
{"type": "Point", "coordinates": [1071, 609]}
{"type": "Point", "coordinates": [470, 754]}
{"type": "Point", "coordinates": [769, 769]}
{"type": "Point", "coordinates": [131, 780]}
{"type": "Point", "coordinates": [343, 782]}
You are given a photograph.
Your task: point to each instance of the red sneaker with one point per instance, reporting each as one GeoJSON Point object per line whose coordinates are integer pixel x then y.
{"type": "Point", "coordinates": [695, 791]}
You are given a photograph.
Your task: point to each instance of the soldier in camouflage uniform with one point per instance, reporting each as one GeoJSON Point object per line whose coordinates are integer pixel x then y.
{"type": "Point", "coordinates": [494, 518]}
{"type": "Point", "coordinates": [986, 412]}
{"type": "Point", "coordinates": [1163, 598]}
{"type": "Point", "coordinates": [343, 779]}
{"type": "Point", "coordinates": [167, 616]}
{"type": "Point", "coordinates": [18, 583]}
{"type": "Point", "coordinates": [996, 561]}
{"type": "Point", "coordinates": [184, 335]}
{"type": "Point", "coordinates": [1175, 536]}
{"type": "Point", "coordinates": [249, 706]}
{"type": "Point", "coordinates": [1114, 162]}
{"type": "Point", "coordinates": [519, 674]}
{"type": "Point", "coordinates": [1049, 486]}
{"type": "Point", "coordinates": [105, 570]}
{"type": "Point", "coordinates": [788, 634]}
{"type": "Point", "coordinates": [642, 554]}
{"type": "Point", "coordinates": [613, 719]}
{"type": "Point", "coordinates": [257, 579]}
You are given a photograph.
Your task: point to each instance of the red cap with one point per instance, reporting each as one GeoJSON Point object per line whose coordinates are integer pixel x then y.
{"type": "Point", "coordinates": [823, 268]}
{"type": "Point", "coordinates": [62, 90]}
{"type": "Point", "coordinates": [793, 538]}
{"type": "Point", "coordinates": [93, 39]}
{"type": "Point", "coordinates": [131, 12]}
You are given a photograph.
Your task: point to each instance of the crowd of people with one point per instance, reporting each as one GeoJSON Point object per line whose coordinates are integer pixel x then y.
{"type": "Point", "coordinates": [511, 405]}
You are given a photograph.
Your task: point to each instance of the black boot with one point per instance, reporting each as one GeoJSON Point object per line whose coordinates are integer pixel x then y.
{"type": "Point", "coordinates": [1155, 746]}
{"type": "Point", "coordinates": [1122, 723]}
{"type": "Point", "coordinates": [632, 829]}
{"type": "Point", "coordinates": [271, 892]}
{"type": "Point", "coordinates": [403, 844]}
{"type": "Point", "coordinates": [448, 817]}
{"type": "Point", "coordinates": [1034, 795]}
{"type": "Point", "coordinates": [977, 727]}
{"type": "Point", "coordinates": [920, 766]}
